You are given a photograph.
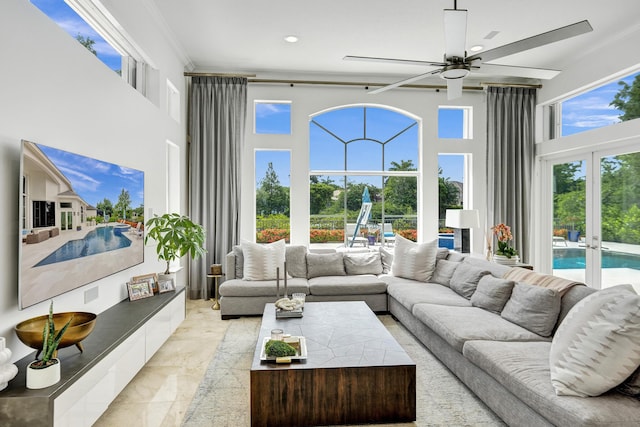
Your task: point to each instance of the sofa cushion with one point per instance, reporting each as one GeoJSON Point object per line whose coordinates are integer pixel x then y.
{"type": "Point", "coordinates": [409, 292]}
{"type": "Point", "coordinates": [325, 265]}
{"type": "Point", "coordinates": [456, 325]}
{"type": "Point", "coordinates": [414, 260]}
{"type": "Point", "coordinates": [443, 272]}
{"type": "Point", "coordinates": [262, 260]}
{"type": "Point", "coordinates": [533, 307]}
{"type": "Point", "coordinates": [492, 293]}
{"type": "Point", "coordinates": [366, 263]}
{"type": "Point", "coordinates": [261, 288]}
{"type": "Point", "coordinates": [465, 279]}
{"type": "Point", "coordinates": [296, 257]}
{"type": "Point", "coordinates": [523, 369]}
{"type": "Point", "coordinates": [631, 386]}
{"type": "Point", "coordinates": [597, 346]}
{"type": "Point", "coordinates": [365, 284]}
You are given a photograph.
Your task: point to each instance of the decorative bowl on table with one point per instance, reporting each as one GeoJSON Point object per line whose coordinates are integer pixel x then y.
{"type": "Point", "coordinates": [30, 331]}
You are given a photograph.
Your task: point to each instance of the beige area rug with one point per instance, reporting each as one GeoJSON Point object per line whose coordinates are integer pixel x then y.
{"type": "Point", "coordinates": [222, 398]}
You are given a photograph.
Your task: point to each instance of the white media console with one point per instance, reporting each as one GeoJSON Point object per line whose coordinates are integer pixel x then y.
{"type": "Point", "coordinates": [126, 336]}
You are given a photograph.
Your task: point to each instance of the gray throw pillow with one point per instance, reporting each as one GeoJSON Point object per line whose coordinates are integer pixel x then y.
{"type": "Point", "coordinates": [465, 279]}
{"type": "Point", "coordinates": [296, 257]}
{"type": "Point", "coordinates": [365, 263]}
{"type": "Point", "coordinates": [443, 272]}
{"type": "Point", "coordinates": [533, 307]}
{"type": "Point", "coordinates": [492, 293]}
{"type": "Point", "coordinates": [325, 265]}
{"type": "Point", "coordinates": [456, 257]}
{"type": "Point", "coordinates": [442, 253]}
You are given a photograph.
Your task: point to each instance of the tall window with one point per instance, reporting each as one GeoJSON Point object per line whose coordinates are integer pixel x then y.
{"type": "Point", "coordinates": [272, 195]}
{"type": "Point", "coordinates": [364, 175]}
{"type": "Point", "coordinates": [451, 184]}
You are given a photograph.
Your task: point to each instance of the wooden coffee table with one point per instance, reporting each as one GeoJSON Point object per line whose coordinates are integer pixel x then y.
{"type": "Point", "coordinates": [355, 371]}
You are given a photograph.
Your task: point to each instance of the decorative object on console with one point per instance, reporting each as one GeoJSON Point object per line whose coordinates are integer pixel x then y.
{"type": "Point", "coordinates": [82, 323]}
{"type": "Point", "coordinates": [45, 371]}
{"type": "Point", "coordinates": [461, 220]}
{"type": "Point", "coordinates": [176, 236]}
{"type": "Point", "coordinates": [505, 254]}
{"type": "Point", "coordinates": [152, 278]}
{"type": "Point", "coordinates": [140, 290]}
{"type": "Point", "coordinates": [7, 369]}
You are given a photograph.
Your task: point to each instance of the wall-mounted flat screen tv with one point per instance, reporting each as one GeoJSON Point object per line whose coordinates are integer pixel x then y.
{"type": "Point", "coordinates": [81, 219]}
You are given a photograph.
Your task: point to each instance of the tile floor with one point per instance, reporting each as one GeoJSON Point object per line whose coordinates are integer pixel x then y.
{"type": "Point", "coordinates": [160, 394]}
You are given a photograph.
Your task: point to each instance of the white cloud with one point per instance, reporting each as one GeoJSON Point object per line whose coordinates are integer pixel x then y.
{"type": "Point", "coordinates": [265, 110]}
{"type": "Point", "coordinates": [79, 180]}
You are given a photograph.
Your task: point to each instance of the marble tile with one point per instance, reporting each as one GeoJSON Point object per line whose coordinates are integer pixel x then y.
{"type": "Point", "coordinates": [160, 394]}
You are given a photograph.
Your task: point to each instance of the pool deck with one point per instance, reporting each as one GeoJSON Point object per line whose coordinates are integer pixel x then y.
{"type": "Point", "coordinates": [41, 283]}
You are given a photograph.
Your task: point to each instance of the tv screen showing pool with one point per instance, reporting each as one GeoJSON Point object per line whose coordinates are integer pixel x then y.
{"type": "Point", "coordinates": [81, 219]}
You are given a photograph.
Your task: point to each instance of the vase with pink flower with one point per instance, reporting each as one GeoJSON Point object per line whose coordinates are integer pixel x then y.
{"type": "Point", "coordinates": [505, 253]}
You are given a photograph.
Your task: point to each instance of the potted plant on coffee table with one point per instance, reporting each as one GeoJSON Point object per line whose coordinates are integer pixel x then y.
{"type": "Point", "coordinates": [176, 236]}
{"type": "Point", "coordinates": [45, 371]}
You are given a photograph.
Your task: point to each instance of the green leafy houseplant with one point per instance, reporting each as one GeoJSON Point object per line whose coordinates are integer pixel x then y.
{"type": "Point", "coordinates": [50, 341]}
{"type": "Point", "coordinates": [176, 235]}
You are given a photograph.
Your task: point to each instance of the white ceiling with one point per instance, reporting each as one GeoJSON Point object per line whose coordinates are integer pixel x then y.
{"type": "Point", "coordinates": [246, 36]}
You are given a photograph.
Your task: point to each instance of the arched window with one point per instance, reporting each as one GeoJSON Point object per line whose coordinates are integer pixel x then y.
{"type": "Point", "coordinates": [361, 158]}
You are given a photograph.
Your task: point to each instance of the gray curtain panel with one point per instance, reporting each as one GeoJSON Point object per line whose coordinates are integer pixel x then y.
{"type": "Point", "coordinates": [510, 157]}
{"type": "Point", "coordinates": [218, 108]}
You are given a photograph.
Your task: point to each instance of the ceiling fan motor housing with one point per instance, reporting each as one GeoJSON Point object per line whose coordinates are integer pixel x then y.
{"type": "Point", "coordinates": [455, 71]}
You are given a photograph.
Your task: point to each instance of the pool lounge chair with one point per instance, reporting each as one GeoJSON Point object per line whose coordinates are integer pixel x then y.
{"type": "Point", "coordinates": [557, 240]}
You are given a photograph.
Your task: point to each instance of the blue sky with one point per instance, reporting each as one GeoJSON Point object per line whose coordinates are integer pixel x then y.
{"type": "Point", "coordinates": [95, 180]}
{"type": "Point", "coordinates": [591, 110]}
{"type": "Point", "coordinates": [68, 20]}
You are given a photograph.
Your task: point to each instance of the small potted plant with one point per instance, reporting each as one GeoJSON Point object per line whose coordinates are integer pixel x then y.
{"type": "Point", "coordinates": [45, 371]}
{"type": "Point", "coordinates": [505, 254]}
{"type": "Point", "coordinates": [176, 236]}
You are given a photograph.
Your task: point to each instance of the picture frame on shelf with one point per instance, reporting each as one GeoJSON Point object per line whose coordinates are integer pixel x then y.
{"type": "Point", "coordinates": [140, 290]}
{"type": "Point", "coordinates": [153, 277]}
{"type": "Point", "coordinates": [166, 285]}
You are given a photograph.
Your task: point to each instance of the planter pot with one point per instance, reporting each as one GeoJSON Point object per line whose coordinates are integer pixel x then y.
{"type": "Point", "coordinates": [501, 259]}
{"type": "Point", "coordinates": [45, 377]}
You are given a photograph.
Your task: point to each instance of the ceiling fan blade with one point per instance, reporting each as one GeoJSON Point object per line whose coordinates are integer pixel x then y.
{"type": "Point", "coordinates": [394, 61]}
{"type": "Point", "coordinates": [512, 71]}
{"type": "Point", "coordinates": [454, 88]}
{"type": "Point", "coordinates": [455, 32]}
{"type": "Point", "coordinates": [552, 36]}
{"type": "Point", "coordinates": [403, 82]}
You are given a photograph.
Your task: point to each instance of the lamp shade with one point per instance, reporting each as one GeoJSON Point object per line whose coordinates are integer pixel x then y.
{"type": "Point", "coordinates": [462, 218]}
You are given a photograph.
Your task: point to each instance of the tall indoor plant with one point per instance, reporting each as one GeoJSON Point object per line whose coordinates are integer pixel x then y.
{"type": "Point", "coordinates": [177, 236]}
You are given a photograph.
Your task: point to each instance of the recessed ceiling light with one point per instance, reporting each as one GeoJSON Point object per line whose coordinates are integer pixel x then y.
{"type": "Point", "coordinates": [476, 48]}
{"type": "Point", "coordinates": [291, 39]}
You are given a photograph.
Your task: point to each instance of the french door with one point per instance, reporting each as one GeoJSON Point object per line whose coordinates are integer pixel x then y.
{"type": "Point", "coordinates": [595, 205]}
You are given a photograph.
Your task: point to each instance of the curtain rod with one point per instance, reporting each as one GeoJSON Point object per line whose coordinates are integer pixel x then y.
{"type": "Point", "coordinates": [251, 78]}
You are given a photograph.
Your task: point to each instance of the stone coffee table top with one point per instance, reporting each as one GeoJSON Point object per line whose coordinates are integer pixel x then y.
{"type": "Point", "coordinates": [338, 334]}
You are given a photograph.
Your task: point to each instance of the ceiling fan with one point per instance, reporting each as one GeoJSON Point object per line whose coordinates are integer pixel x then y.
{"type": "Point", "coordinates": [457, 65]}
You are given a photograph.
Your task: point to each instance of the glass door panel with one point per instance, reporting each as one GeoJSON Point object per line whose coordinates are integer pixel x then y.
{"type": "Point", "coordinates": [619, 220]}
{"type": "Point", "coordinates": [569, 220]}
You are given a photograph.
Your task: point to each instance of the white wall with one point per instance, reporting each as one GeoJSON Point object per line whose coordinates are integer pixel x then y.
{"type": "Point", "coordinates": [55, 92]}
{"type": "Point", "coordinates": [308, 100]}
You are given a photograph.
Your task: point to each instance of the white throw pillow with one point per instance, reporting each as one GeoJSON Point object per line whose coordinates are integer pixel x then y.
{"type": "Point", "coordinates": [414, 260]}
{"type": "Point", "coordinates": [261, 260]}
{"type": "Point", "coordinates": [597, 345]}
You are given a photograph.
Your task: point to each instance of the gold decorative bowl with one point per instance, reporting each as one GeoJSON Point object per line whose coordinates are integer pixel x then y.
{"type": "Point", "coordinates": [30, 331]}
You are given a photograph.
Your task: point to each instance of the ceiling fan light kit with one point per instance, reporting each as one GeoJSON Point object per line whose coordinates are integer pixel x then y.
{"type": "Point", "coordinates": [457, 65]}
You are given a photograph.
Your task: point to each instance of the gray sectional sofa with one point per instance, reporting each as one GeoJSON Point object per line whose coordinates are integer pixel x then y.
{"type": "Point", "coordinates": [479, 318]}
